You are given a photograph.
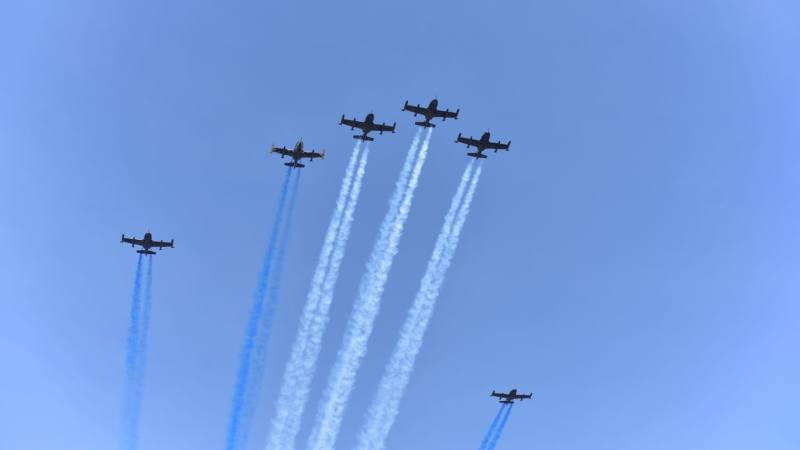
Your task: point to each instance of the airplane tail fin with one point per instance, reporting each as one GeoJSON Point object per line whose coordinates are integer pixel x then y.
{"type": "Point", "coordinates": [425, 124]}
{"type": "Point", "coordinates": [476, 155]}
{"type": "Point", "coordinates": [294, 164]}
{"type": "Point", "coordinates": [122, 239]}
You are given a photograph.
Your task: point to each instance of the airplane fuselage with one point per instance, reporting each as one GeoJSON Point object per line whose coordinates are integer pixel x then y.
{"type": "Point", "coordinates": [430, 113]}
{"type": "Point", "coordinates": [148, 241]}
{"type": "Point", "coordinates": [369, 121]}
{"type": "Point", "coordinates": [298, 151]}
{"type": "Point", "coordinates": [481, 146]}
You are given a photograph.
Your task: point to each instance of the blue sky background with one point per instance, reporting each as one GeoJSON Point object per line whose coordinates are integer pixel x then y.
{"type": "Point", "coordinates": [632, 260]}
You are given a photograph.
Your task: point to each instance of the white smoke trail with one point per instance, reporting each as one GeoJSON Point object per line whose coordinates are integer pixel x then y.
{"type": "Point", "coordinates": [362, 319]}
{"type": "Point", "coordinates": [385, 404]}
{"type": "Point", "coordinates": [305, 350]}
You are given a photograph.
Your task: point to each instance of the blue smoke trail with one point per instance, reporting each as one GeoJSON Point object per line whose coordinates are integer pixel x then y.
{"type": "Point", "coordinates": [490, 432]}
{"type": "Point", "coordinates": [302, 363]}
{"type": "Point", "coordinates": [259, 359]}
{"type": "Point", "coordinates": [129, 429]}
{"type": "Point", "coordinates": [362, 320]}
{"type": "Point", "coordinates": [386, 402]}
{"type": "Point", "coordinates": [253, 323]}
{"type": "Point", "coordinates": [500, 428]}
{"type": "Point", "coordinates": [141, 353]}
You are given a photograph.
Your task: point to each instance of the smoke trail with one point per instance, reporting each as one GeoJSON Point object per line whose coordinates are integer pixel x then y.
{"type": "Point", "coordinates": [242, 380]}
{"type": "Point", "coordinates": [305, 350]}
{"type": "Point", "coordinates": [141, 352]}
{"type": "Point", "coordinates": [129, 440]}
{"type": "Point", "coordinates": [490, 432]}
{"type": "Point", "coordinates": [265, 331]}
{"type": "Point", "coordinates": [500, 428]}
{"type": "Point", "coordinates": [385, 404]}
{"type": "Point", "coordinates": [365, 310]}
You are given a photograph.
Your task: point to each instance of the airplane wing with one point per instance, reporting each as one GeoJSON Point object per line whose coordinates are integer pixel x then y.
{"type": "Point", "coordinates": [312, 154]}
{"type": "Point", "coordinates": [383, 127]}
{"type": "Point", "coordinates": [132, 241]}
{"type": "Point", "coordinates": [469, 141]}
{"type": "Point", "coordinates": [352, 123]}
{"type": "Point", "coordinates": [281, 150]}
{"type": "Point", "coordinates": [161, 244]}
{"type": "Point", "coordinates": [446, 114]}
{"type": "Point", "coordinates": [415, 109]}
{"type": "Point", "coordinates": [498, 145]}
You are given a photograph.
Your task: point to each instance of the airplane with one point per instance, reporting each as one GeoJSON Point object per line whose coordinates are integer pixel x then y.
{"type": "Point", "coordinates": [147, 243]}
{"type": "Point", "coordinates": [509, 398]}
{"type": "Point", "coordinates": [366, 126]}
{"type": "Point", "coordinates": [297, 154]}
{"type": "Point", "coordinates": [482, 144]}
{"type": "Point", "coordinates": [430, 112]}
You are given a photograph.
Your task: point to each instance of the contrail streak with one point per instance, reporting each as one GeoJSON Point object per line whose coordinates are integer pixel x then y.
{"type": "Point", "coordinates": [490, 432]}
{"type": "Point", "coordinates": [500, 428]}
{"type": "Point", "coordinates": [130, 430]}
{"type": "Point", "coordinates": [305, 351]}
{"type": "Point", "coordinates": [365, 310]}
{"type": "Point", "coordinates": [386, 402]}
{"type": "Point", "coordinates": [265, 331]}
{"type": "Point", "coordinates": [242, 379]}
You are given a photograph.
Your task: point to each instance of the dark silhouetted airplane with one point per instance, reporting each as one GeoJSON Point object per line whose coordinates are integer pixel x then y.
{"type": "Point", "coordinates": [509, 398]}
{"type": "Point", "coordinates": [430, 112]}
{"type": "Point", "coordinates": [297, 154]}
{"type": "Point", "coordinates": [147, 243]}
{"type": "Point", "coordinates": [482, 144]}
{"type": "Point", "coordinates": [366, 126]}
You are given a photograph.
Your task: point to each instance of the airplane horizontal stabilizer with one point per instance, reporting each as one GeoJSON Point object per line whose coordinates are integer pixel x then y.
{"type": "Point", "coordinates": [476, 155]}
{"type": "Point", "coordinates": [425, 124]}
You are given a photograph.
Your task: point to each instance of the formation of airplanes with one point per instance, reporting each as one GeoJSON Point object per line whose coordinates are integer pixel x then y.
{"type": "Point", "coordinates": [368, 125]}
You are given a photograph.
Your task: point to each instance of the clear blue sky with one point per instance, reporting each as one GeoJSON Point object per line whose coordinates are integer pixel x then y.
{"type": "Point", "coordinates": [632, 260]}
